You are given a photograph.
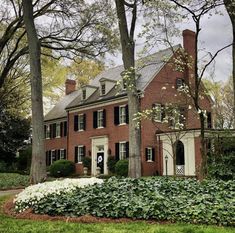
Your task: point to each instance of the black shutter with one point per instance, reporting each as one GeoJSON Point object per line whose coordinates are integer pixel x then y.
{"type": "Point", "coordinates": [65, 156]}
{"type": "Point", "coordinates": [75, 123]}
{"type": "Point", "coordinates": [104, 118]}
{"type": "Point", "coordinates": [58, 155]}
{"type": "Point", "coordinates": [146, 154]}
{"type": "Point", "coordinates": [163, 113]}
{"type": "Point", "coordinates": [84, 121]}
{"type": "Point", "coordinates": [45, 131]}
{"type": "Point", "coordinates": [76, 154]}
{"type": "Point", "coordinates": [116, 115]}
{"type": "Point", "coordinates": [127, 149]}
{"type": "Point", "coordinates": [54, 130]}
{"type": "Point", "coordinates": [117, 151]}
{"type": "Point", "coordinates": [95, 119]}
{"type": "Point", "coordinates": [84, 151]}
{"type": "Point", "coordinates": [47, 158]}
{"type": "Point", "coordinates": [65, 128]}
{"type": "Point", "coordinates": [153, 154]}
{"type": "Point", "coordinates": [61, 129]}
{"type": "Point", "coordinates": [51, 130]}
{"type": "Point", "coordinates": [127, 114]}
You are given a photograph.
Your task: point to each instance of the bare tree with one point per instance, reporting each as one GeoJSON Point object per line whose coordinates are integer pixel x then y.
{"type": "Point", "coordinates": [38, 164]}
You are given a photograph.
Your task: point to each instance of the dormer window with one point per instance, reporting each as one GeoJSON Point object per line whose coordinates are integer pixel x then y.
{"type": "Point", "coordinates": [103, 89]}
{"type": "Point", "coordinates": [179, 83]}
{"type": "Point", "coordinates": [84, 94]}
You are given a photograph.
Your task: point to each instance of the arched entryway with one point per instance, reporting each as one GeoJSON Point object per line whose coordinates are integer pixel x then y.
{"type": "Point", "coordinates": [180, 161]}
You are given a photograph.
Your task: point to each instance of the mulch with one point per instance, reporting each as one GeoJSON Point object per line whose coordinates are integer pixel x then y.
{"type": "Point", "coordinates": [8, 209]}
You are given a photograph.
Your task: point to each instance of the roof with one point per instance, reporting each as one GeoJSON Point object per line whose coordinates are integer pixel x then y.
{"type": "Point", "coordinates": [148, 68]}
{"type": "Point", "coordinates": [58, 111]}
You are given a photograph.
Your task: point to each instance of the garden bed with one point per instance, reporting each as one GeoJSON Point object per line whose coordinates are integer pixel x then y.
{"type": "Point", "coordinates": [158, 199]}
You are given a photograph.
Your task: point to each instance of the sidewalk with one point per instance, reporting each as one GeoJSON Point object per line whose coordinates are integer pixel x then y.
{"type": "Point", "coordinates": [10, 192]}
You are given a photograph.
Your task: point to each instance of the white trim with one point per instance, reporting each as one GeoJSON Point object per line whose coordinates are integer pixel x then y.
{"type": "Point", "coordinates": [122, 106]}
{"type": "Point", "coordinates": [151, 149]}
{"type": "Point", "coordinates": [95, 105]}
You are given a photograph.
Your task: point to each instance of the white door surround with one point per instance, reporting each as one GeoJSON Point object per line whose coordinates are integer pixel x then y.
{"type": "Point", "coordinates": [99, 144]}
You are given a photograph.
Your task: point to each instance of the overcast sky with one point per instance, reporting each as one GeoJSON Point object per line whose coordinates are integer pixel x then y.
{"type": "Point", "coordinates": [216, 33]}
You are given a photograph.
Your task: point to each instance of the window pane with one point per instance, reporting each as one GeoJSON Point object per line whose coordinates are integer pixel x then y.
{"type": "Point", "coordinates": [122, 114]}
{"type": "Point", "coordinates": [122, 151]}
{"type": "Point", "coordinates": [100, 119]}
{"type": "Point", "coordinates": [57, 129]}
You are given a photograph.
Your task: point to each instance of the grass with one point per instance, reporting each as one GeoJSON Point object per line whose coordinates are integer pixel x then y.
{"type": "Point", "coordinates": [11, 225]}
{"type": "Point", "coordinates": [13, 180]}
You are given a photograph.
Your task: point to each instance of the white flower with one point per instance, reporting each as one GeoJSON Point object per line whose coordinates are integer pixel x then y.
{"type": "Point", "coordinates": [163, 88]}
{"type": "Point", "coordinates": [189, 107]}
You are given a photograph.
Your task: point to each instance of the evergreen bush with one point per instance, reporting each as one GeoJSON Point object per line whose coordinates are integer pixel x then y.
{"type": "Point", "coordinates": [121, 167]}
{"type": "Point", "coordinates": [111, 164]}
{"type": "Point", "coordinates": [62, 168]}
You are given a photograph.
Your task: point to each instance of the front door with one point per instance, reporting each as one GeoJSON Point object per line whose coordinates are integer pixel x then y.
{"type": "Point", "coordinates": [100, 161]}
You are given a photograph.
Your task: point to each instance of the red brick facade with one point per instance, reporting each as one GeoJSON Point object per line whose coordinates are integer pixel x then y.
{"type": "Point", "coordinates": [162, 89]}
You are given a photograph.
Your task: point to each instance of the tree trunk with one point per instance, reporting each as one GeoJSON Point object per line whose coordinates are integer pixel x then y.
{"type": "Point", "coordinates": [128, 57]}
{"type": "Point", "coordinates": [230, 7]}
{"type": "Point", "coordinates": [38, 164]}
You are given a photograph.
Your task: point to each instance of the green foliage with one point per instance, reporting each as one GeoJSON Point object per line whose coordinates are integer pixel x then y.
{"type": "Point", "coordinates": [13, 180]}
{"type": "Point", "coordinates": [159, 198]}
{"type": "Point", "coordinates": [62, 168]}
{"type": "Point", "coordinates": [3, 166]}
{"type": "Point", "coordinates": [121, 167]}
{"type": "Point", "coordinates": [86, 162]}
{"type": "Point", "coordinates": [111, 164]}
{"type": "Point", "coordinates": [12, 225]}
{"type": "Point", "coordinates": [24, 160]}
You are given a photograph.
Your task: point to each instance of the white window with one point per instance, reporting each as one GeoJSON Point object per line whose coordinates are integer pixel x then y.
{"type": "Point", "coordinates": [84, 94]}
{"type": "Point", "coordinates": [103, 91]}
{"type": "Point", "coordinates": [53, 156]}
{"type": "Point", "coordinates": [149, 154]}
{"type": "Point", "coordinates": [81, 122]}
{"type": "Point", "coordinates": [100, 118]}
{"type": "Point", "coordinates": [62, 153]}
{"type": "Point", "coordinates": [122, 150]}
{"type": "Point", "coordinates": [157, 112]}
{"type": "Point", "coordinates": [47, 131]}
{"type": "Point", "coordinates": [80, 154]}
{"type": "Point", "coordinates": [122, 114]}
{"type": "Point", "coordinates": [57, 130]}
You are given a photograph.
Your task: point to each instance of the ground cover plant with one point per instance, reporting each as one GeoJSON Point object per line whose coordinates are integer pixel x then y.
{"type": "Point", "coordinates": [159, 198]}
{"type": "Point", "coordinates": [12, 225]}
{"type": "Point", "coordinates": [13, 180]}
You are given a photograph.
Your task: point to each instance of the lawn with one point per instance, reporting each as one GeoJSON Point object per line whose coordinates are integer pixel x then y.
{"type": "Point", "coordinates": [13, 180]}
{"type": "Point", "coordinates": [11, 225]}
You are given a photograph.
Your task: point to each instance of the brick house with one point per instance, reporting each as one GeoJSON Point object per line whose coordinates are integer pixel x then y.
{"type": "Point", "coordinates": [93, 121]}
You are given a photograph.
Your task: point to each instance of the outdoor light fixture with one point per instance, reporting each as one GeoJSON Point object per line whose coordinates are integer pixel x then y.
{"type": "Point", "coordinates": [166, 160]}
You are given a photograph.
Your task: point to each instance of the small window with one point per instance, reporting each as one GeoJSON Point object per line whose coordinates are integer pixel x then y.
{"type": "Point", "coordinates": [62, 154]}
{"type": "Point", "coordinates": [122, 114]}
{"type": "Point", "coordinates": [103, 89]}
{"type": "Point", "coordinates": [80, 153]}
{"type": "Point", "coordinates": [47, 131]}
{"type": "Point", "coordinates": [53, 156]}
{"type": "Point", "coordinates": [84, 94]}
{"type": "Point", "coordinates": [157, 112]}
{"type": "Point", "coordinates": [149, 154]}
{"type": "Point", "coordinates": [122, 150]}
{"type": "Point", "coordinates": [81, 125]}
{"type": "Point", "coordinates": [57, 130]}
{"type": "Point", "coordinates": [100, 119]}
{"type": "Point", "coordinates": [179, 83]}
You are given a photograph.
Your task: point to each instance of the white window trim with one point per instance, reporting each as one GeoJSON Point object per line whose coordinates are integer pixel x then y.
{"type": "Point", "coordinates": [158, 105]}
{"type": "Point", "coordinates": [101, 93]}
{"type": "Point", "coordinates": [58, 124]}
{"type": "Point", "coordinates": [79, 146]}
{"type": "Point", "coordinates": [120, 157]}
{"type": "Point", "coordinates": [98, 111]}
{"type": "Point", "coordinates": [151, 149]}
{"type": "Point", "coordinates": [63, 152]}
{"type": "Point", "coordinates": [79, 117]}
{"type": "Point", "coordinates": [122, 106]}
{"type": "Point", "coordinates": [47, 131]}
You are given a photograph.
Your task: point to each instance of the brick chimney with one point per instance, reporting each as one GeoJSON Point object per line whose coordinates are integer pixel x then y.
{"type": "Point", "coordinates": [70, 86]}
{"type": "Point", "coordinates": [189, 38]}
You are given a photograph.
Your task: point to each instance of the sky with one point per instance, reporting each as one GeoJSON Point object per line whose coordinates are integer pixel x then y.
{"type": "Point", "coordinates": [216, 32]}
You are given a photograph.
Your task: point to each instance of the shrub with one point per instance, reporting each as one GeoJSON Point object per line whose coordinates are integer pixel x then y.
{"type": "Point", "coordinates": [62, 168]}
{"type": "Point", "coordinates": [111, 164]}
{"type": "Point", "coordinates": [86, 162]}
{"type": "Point", "coordinates": [121, 167]}
{"type": "Point", "coordinates": [3, 166]}
{"type": "Point", "coordinates": [24, 160]}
